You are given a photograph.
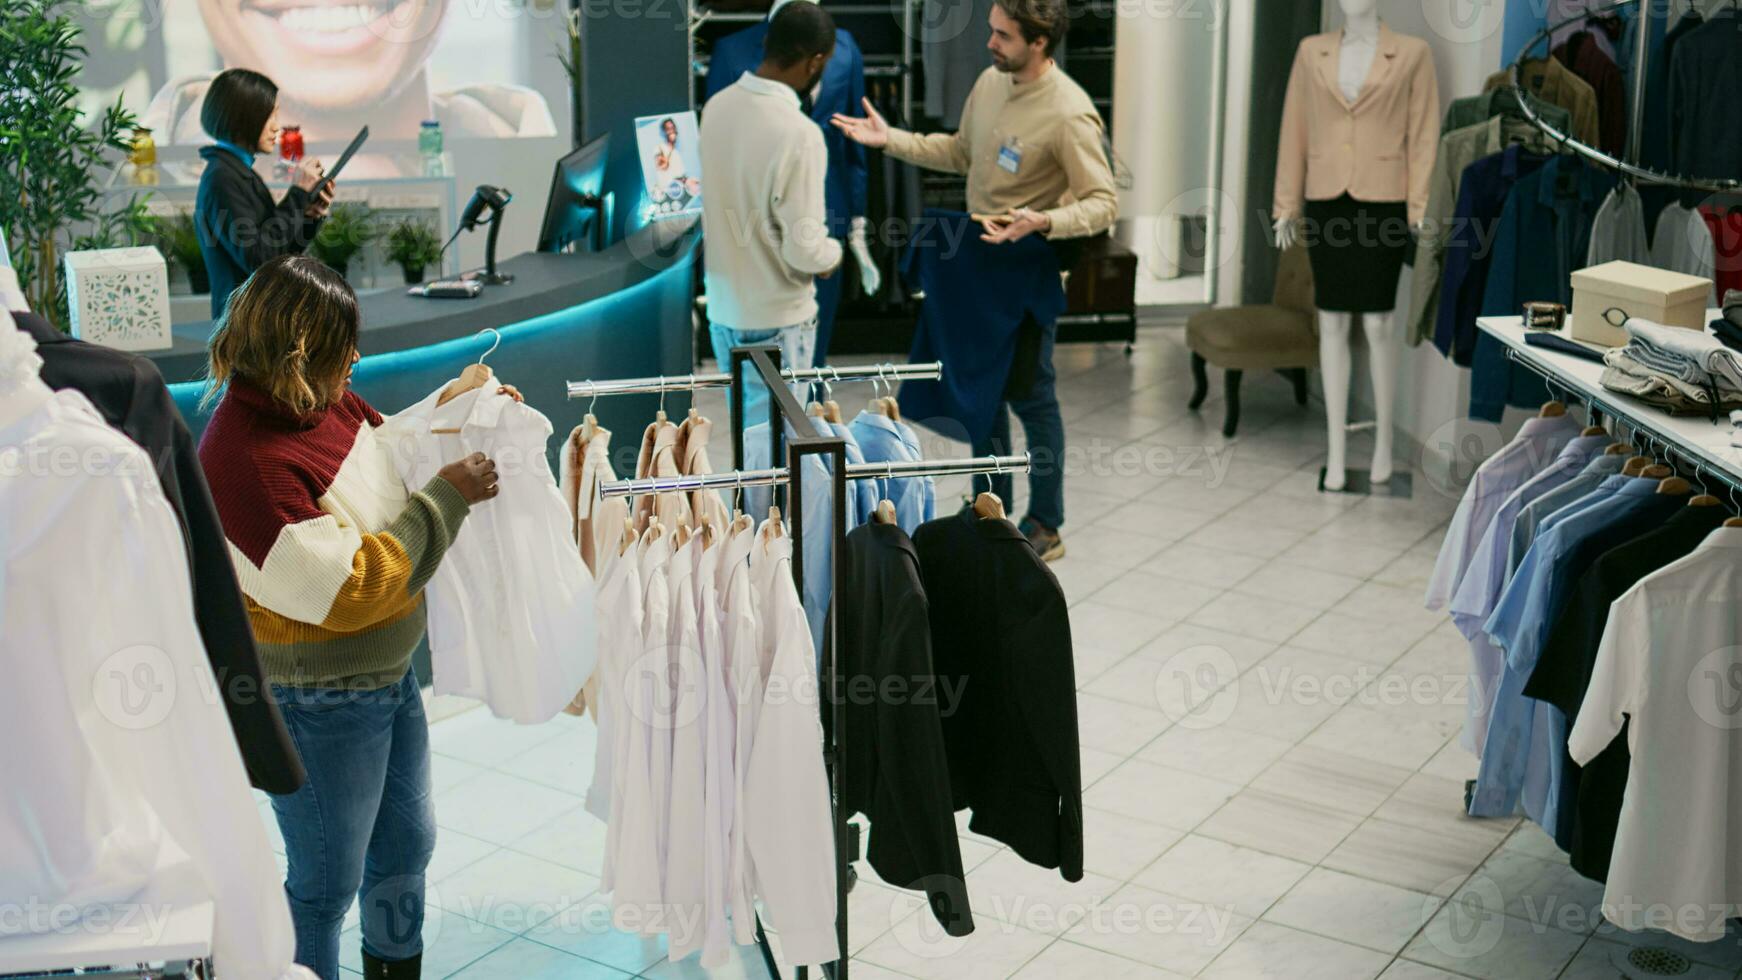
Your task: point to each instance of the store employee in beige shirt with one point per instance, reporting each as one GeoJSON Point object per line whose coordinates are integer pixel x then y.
{"type": "Point", "coordinates": [1030, 145]}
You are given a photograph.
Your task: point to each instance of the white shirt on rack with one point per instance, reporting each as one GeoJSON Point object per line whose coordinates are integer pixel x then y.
{"type": "Point", "coordinates": [788, 819]}
{"type": "Point", "coordinates": [115, 740]}
{"type": "Point", "coordinates": [743, 676]}
{"type": "Point", "coordinates": [1669, 661]}
{"type": "Point", "coordinates": [685, 722]}
{"type": "Point", "coordinates": [642, 782]}
{"type": "Point", "coordinates": [1537, 444]}
{"type": "Point", "coordinates": [511, 618]}
{"type": "Point", "coordinates": [620, 611]}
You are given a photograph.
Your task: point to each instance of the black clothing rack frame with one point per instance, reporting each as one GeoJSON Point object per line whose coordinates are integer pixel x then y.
{"type": "Point", "coordinates": [765, 360]}
{"type": "Point", "coordinates": [1628, 168]}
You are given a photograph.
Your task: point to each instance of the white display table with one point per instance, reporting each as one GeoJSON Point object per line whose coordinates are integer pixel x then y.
{"type": "Point", "coordinates": [1699, 441]}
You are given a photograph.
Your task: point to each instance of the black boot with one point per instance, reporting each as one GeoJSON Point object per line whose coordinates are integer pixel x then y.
{"type": "Point", "coordinates": [377, 969]}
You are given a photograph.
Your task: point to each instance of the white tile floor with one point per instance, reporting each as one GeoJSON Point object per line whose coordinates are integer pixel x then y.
{"type": "Point", "coordinates": [1268, 723]}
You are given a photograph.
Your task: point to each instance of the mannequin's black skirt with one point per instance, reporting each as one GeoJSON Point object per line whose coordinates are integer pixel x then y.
{"type": "Point", "coordinates": [1357, 249]}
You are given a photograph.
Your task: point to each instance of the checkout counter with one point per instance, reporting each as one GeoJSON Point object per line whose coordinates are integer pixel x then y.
{"type": "Point", "coordinates": [622, 312]}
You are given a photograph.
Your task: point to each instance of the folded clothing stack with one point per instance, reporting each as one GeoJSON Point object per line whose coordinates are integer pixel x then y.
{"type": "Point", "coordinates": [1683, 372]}
{"type": "Point", "coordinates": [1728, 328]}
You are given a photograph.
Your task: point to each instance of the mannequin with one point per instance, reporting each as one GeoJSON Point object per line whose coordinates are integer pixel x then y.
{"type": "Point", "coordinates": [1367, 126]}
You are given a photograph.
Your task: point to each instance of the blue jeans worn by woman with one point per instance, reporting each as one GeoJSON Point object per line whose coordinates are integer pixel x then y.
{"type": "Point", "coordinates": [363, 826]}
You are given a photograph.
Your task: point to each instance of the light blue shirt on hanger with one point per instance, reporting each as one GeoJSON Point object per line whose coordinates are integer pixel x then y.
{"type": "Point", "coordinates": [884, 440]}
{"type": "Point", "coordinates": [1522, 759]}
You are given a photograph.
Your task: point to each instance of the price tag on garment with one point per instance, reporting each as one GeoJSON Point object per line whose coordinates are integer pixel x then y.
{"type": "Point", "coordinates": [1010, 155]}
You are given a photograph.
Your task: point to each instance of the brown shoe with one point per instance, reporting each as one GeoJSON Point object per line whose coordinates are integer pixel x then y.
{"type": "Point", "coordinates": [1047, 543]}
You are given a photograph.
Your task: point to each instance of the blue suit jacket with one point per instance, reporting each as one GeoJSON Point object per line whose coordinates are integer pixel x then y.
{"type": "Point", "coordinates": [842, 88]}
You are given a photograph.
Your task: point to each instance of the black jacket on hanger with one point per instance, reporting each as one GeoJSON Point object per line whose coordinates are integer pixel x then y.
{"type": "Point", "coordinates": [1001, 637]}
{"type": "Point", "coordinates": [130, 394]}
{"type": "Point", "coordinates": [1563, 673]}
{"type": "Point", "coordinates": [240, 227]}
{"type": "Point", "coordinates": [897, 773]}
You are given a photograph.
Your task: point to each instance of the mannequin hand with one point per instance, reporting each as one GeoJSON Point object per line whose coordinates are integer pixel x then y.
{"type": "Point", "coordinates": [872, 130]}
{"type": "Point", "coordinates": [1287, 233]}
{"type": "Point", "coordinates": [870, 277]}
{"type": "Point", "coordinates": [1015, 226]}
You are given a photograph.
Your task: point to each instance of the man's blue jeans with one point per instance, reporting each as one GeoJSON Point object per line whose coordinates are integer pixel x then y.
{"type": "Point", "coordinates": [1045, 431]}
{"type": "Point", "coordinates": [363, 826]}
{"type": "Point", "coordinates": [797, 348]}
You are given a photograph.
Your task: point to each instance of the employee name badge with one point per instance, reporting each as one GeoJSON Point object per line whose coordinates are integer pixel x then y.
{"type": "Point", "coordinates": [1010, 155]}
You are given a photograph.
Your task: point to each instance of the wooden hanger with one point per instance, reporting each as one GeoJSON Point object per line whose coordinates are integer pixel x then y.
{"type": "Point", "coordinates": [683, 535]}
{"type": "Point", "coordinates": [1658, 471]}
{"type": "Point", "coordinates": [1552, 410]}
{"type": "Point", "coordinates": [1704, 500]}
{"type": "Point", "coordinates": [894, 407]}
{"type": "Point", "coordinates": [708, 532]}
{"type": "Point", "coordinates": [1635, 466]}
{"type": "Point", "coordinates": [832, 412]}
{"type": "Point", "coordinates": [1618, 449]}
{"type": "Point", "coordinates": [1594, 430]}
{"type": "Point", "coordinates": [628, 537]}
{"type": "Point", "coordinates": [885, 512]}
{"type": "Point", "coordinates": [1674, 486]}
{"type": "Point", "coordinates": [987, 506]}
{"type": "Point", "coordinates": [1733, 522]}
{"type": "Point", "coordinates": [474, 376]}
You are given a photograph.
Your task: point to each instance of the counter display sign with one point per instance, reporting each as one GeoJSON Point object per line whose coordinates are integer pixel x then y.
{"type": "Point", "coordinates": [670, 152]}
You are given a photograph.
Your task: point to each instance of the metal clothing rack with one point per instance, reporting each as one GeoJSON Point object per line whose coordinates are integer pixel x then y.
{"type": "Point", "coordinates": [1631, 167]}
{"type": "Point", "coordinates": [765, 360]}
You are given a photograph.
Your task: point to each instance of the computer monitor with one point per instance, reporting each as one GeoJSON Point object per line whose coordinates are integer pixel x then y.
{"type": "Point", "coordinates": [574, 211]}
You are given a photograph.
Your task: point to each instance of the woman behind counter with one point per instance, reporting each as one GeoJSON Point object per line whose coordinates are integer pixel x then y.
{"type": "Point", "coordinates": [238, 225]}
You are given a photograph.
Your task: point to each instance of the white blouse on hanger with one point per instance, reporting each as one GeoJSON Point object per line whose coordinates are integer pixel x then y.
{"type": "Point", "coordinates": [115, 741]}
{"type": "Point", "coordinates": [789, 823]}
{"type": "Point", "coordinates": [620, 610]}
{"type": "Point", "coordinates": [511, 618]}
{"type": "Point", "coordinates": [1669, 659]}
{"type": "Point", "coordinates": [642, 776]}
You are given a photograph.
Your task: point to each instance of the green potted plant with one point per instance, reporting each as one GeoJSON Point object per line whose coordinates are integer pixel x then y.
{"type": "Point", "coordinates": [415, 246]}
{"type": "Point", "coordinates": [342, 235]}
{"type": "Point", "coordinates": [52, 155]}
{"type": "Point", "coordinates": [176, 239]}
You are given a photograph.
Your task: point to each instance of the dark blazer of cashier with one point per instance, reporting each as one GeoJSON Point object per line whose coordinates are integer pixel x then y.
{"type": "Point", "coordinates": [240, 226]}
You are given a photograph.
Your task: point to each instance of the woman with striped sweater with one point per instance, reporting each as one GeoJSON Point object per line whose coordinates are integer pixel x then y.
{"type": "Point", "coordinates": [333, 553]}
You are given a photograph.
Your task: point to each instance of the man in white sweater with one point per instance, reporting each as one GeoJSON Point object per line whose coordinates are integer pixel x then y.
{"type": "Point", "coordinates": [763, 221]}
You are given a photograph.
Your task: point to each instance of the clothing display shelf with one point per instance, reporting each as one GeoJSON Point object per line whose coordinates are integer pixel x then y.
{"type": "Point", "coordinates": [1627, 168]}
{"type": "Point", "coordinates": [896, 63]}
{"type": "Point", "coordinates": [765, 360]}
{"type": "Point", "coordinates": [1701, 445]}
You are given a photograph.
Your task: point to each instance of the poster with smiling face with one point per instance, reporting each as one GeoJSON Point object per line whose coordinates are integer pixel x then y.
{"type": "Point", "coordinates": [670, 152]}
{"type": "Point", "coordinates": [338, 64]}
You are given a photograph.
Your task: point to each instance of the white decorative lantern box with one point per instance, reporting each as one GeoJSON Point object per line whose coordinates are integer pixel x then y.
{"type": "Point", "coordinates": [119, 297]}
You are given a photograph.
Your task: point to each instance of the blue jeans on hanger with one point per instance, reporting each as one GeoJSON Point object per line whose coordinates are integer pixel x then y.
{"type": "Point", "coordinates": [1045, 430]}
{"type": "Point", "coordinates": [363, 826]}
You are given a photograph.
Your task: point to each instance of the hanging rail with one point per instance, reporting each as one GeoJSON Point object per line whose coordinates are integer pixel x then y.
{"type": "Point", "coordinates": [723, 379]}
{"type": "Point", "coordinates": [1645, 174]}
{"type": "Point", "coordinates": [855, 471]}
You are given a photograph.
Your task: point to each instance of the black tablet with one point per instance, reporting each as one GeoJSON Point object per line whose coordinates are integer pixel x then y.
{"type": "Point", "coordinates": [344, 158]}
